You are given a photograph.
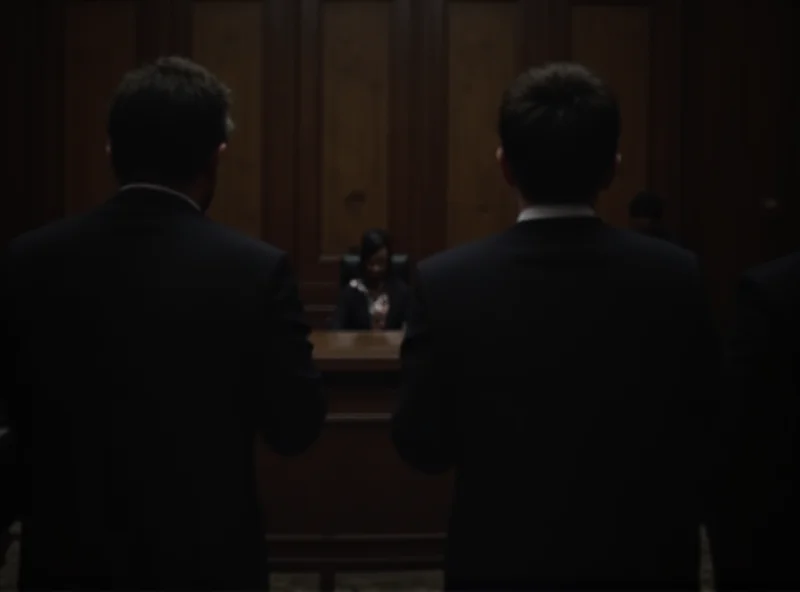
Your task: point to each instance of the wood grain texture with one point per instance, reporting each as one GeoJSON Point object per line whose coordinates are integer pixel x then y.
{"type": "Point", "coordinates": [614, 41]}
{"type": "Point", "coordinates": [355, 121]}
{"type": "Point", "coordinates": [227, 38]}
{"type": "Point", "coordinates": [483, 60]}
{"type": "Point", "coordinates": [709, 105]}
{"type": "Point", "coordinates": [352, 144]}
{"type": "Point", "coordinates": [92, 72]}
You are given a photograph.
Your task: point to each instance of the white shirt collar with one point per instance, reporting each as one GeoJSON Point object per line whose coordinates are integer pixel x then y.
{"type": "Point", "coordinates": [545, 212]}
{"type": "Point", "coordinates": [162, 189]}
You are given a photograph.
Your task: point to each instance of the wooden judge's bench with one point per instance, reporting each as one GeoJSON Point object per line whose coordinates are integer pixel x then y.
{"type": "Point", "coordinates": [350, 503]}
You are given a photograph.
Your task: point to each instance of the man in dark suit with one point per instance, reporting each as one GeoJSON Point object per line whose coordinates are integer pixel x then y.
{"type": "Point", "coordinates": [151, 346]}
{"type": "Point", "coordinates": [561, 368]}
{"type": "Point", "coordinates": [757, 506]}
{"type": "Point", "coordinates": [8, 483]}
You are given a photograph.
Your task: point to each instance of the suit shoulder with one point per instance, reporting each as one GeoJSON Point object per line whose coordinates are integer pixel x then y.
{"type": "Point", "coordinates": [462, 257]}
{"type": "Point", "coordinates": [247, 245]}
{"type": "Point", "coordinates": [627, 247]}
{"type": "Point", "coordinates": [655, 251]}
{"type": "Point", "coordinates": [45, 236]}
{"type": "Point", "coordinates": [779, 273]}
{"type": "Point", "coordinates": [248, 255]}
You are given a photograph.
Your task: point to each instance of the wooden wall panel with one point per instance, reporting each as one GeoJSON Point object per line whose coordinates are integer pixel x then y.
{"type": "Point", "coordinates": [460, 188]}
{"type": "Point", "coordinates": [355, 121]}
{"type": "Point", "coordinates": [15, 28]}
{"type": "Point", "coordinates": [279, 122]}
{"type": "Point", "coordinates": [666, 107]}
{"type": "Point", "coordinates": [227, 38]}
{"type": "Point", "coordinates": [352, 137]}
{"type": "Point", "coordinates": [92, 72]}
{"type": "Point", "coordinates": [483, 60]}
{"type": "Point", "coordinates": [740, 125]}
{"type": "Point", "coordinates": [714, 87]}
{"type": "Point", "coordinates": [614, 41]}
{"type": "Point", "coordinates": [763, 66]}
{"type": "Point", "coordinates": [156, 30]}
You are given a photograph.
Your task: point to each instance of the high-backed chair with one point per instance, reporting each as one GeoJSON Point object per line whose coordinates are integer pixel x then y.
{"type": "Point", "coordinates": [349, 268]}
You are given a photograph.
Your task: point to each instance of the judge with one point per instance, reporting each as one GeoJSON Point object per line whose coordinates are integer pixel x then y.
{"type": "Point", "coordinates": [376, 299]}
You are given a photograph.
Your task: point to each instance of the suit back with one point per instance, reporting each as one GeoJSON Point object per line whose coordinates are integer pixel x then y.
{"type": "Point", "coordinates": [149, 343]}
{"type": "Point", "coordinates": [568, 362]}
{"type": "Point", "coordinates": [757, 501]}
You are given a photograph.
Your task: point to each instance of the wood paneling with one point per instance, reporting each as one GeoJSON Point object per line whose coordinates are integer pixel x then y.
{"type": "Point", "coordinates": [92, 72]}
{"type": "Point", "coordinates": [355, 121]}
{"type": "Point", "coordinates": [352, 140]}
{"type": "Point", "coordinates": [323, 513]}
{"type": "Point", "coordinates": [460, 189]}
{"type": "Point", "coordinates": [398, 99]}
{"type": "Point", "coordinates": [279, 122]}
{"type": "Point", "coordinates": [45, 108]}
{"type": "Point", "coordinates": [665, 107]}
{"type": "Point", "coordinates": [740, 122]}
{"type": "Point", "coordinates": [156, 33]}
{"type": "Point", "coordinates": [227, 38]}
{"type": "Point", "coordinates": [483, 60]}
{"type": "Point", "coordinates": [614, 41]}
{"type": "Point", "coordinates": [15, 28]}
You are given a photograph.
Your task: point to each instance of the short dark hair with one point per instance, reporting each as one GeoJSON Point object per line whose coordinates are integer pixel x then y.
{"type": "Point", "coordinates": [373, 241]}
{"type": "Point", "coordinates": [646, 204]}
{"type": "Point", "coordinates": [559, 126]}
{"type": "Point", "coordinates": [166, 121]}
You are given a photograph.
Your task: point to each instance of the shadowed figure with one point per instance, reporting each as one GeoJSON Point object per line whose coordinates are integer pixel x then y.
{"type": "Point", "coordinates": [146, 348]}
{"type": "Point", "coordinates": [534, 368]}
{"type": "Point", "coordinates": [376, 299]}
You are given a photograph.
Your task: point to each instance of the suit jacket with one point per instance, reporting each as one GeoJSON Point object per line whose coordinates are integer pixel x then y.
{"type": "Point", "coordinates": [352, 308]}
{"type": "Point", "coordinates": [757, 505]}
{"type": "Point", "coordinates": [9, 490]}
{"type": "Point", "coordinates": [151, 346]}
{"type": "Point", "coordinates": [9, 481]}
{"type": "Point", "coordinates": [663, 234]}
{"type": "Point", "coordinates": [562, 368]}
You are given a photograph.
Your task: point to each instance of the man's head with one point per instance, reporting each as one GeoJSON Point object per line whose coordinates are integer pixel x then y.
{"type": "Point", "coordinates": [559, 129]}
{"type": "Point", "coordinates": [646, 212]}
{"type": "Point", "coordinates": [168, 123]}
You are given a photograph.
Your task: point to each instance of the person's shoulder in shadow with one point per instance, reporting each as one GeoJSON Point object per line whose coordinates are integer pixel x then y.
{"type": "Point", "coordinates": [778, 283]}
{"type": "Point", "coordinates": [244, 245]}
{"type": "Point", "coordinates": [781, 272]}
{"type": "Point", "coordinates": [469, 256]}
{"type": "Point", "coordinates": [48, 235]}
{"type": "Point", "coordinates": [627, 247]}
{"type": "Point", "coordinates": [639, 246]}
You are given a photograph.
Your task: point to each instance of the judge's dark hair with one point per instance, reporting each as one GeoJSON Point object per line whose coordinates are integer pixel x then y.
{"type": "Point", "coordinates": [646, 204]}
{"type": "Point", "coordinates": [559, 126]}
{"type": "Point", "coordinates": [166, 121]}
{"type": "Point", "coordinates": [373, 241]}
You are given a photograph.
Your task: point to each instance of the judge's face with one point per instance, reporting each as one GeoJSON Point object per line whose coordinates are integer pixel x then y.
{"type": "Point", "coordinates": [376, 266]}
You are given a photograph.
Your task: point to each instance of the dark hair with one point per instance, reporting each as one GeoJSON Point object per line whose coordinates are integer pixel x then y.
{"type": "Point", "coordinates": [373, 241]}
{"type": "Point", "coordinates": [646, 204]}
{"type": "Point", "coordinates": [166, 121]}
{"type": "Point", "coordinates": [559, 126]}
